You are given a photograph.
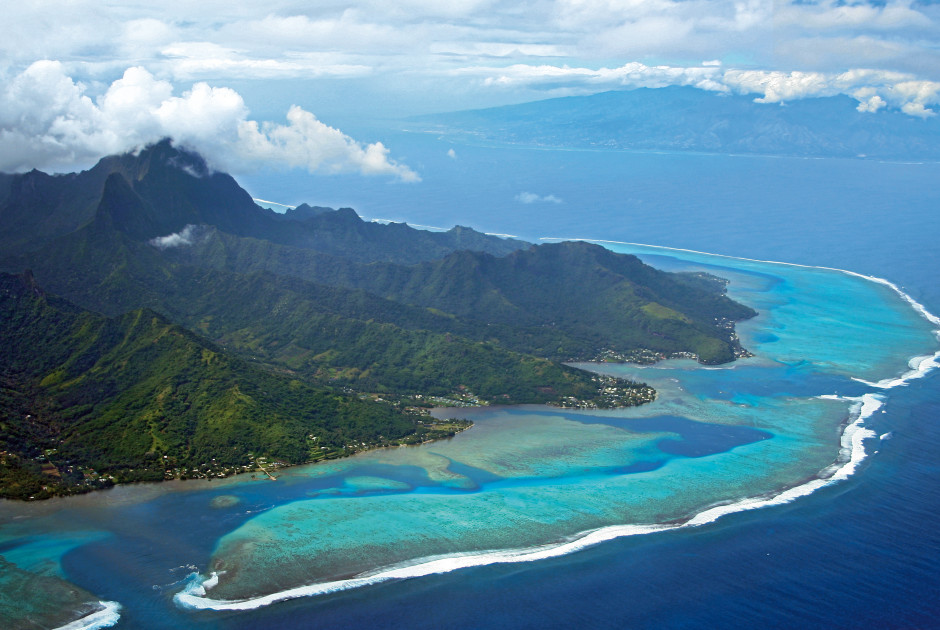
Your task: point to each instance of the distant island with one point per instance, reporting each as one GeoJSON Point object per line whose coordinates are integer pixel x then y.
{"type": "Point", "coordinates": [158, 324]}
{"type": "Point", "coordinates": [688, 119]}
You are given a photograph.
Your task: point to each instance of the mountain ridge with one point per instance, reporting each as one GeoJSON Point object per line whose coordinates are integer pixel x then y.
{"type": "Point", "coordinates": [137, 398]}
{"type": "Point", "coordinates": [689, 119]}
{"type": "Point", "coordinates": [159, 190]}
{"type": "Point", "coordinates": [330, 311]}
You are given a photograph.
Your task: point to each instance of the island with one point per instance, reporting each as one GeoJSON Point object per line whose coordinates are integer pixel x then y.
{"type": "Point", "coordinates": [158, 324]}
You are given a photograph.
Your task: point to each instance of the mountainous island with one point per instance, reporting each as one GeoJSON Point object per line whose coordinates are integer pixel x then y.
{"type": "Point", "coordinates": [690, 119]}
{"type": "Point", "coordinates": [158, 324]}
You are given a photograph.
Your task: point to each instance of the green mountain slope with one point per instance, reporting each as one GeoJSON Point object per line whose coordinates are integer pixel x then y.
{"type": "Point", "coordinates": [332, 335]}
{"type": "Point", "coordinates": [564, 301]}
{"type": "Point", "coordinates": [591, 296]}
{"type": "Point", "coordinates": [160, 190]}
{"type": "Point", "coordinates": [199, 327]}
{"type": "Point", "coordinates": [136, 397]}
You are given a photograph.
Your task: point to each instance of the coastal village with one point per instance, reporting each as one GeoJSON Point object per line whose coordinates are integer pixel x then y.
{"type": "Point", "coordinates": [612, 393]}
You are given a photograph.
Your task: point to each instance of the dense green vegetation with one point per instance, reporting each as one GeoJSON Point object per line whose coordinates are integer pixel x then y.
{"type": "Point", "coordinates": [328, 334]}
{"type": "Point", "coordinates": [197, 332]}
{"type": "Point", "coordinates": [563, 301]}
{"type": "Point", "coordinates": [160, 190]}
{"type": "Point", "coordinates": [139, 398]}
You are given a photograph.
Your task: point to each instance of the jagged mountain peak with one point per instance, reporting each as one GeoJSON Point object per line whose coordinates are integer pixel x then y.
{"type": "Point", "coordinates": [305, 211]}
{"type": "Point", "coordinates": [173, 156]}
{"type": "Point", "coordinates": [170, 187]}
{"type": "Point", "coordinates": [157, 157]}
{"type": "Point", "coordinates": [159, 190]}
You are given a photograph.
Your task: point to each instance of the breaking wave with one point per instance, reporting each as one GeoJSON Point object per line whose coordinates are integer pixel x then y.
{"type": "Point", "coordinates": [851, 453]}
{"type": "Point", "coordinates": [107, 616]}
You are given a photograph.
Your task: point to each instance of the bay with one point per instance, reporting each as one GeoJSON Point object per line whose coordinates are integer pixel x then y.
{"type": "Point", "coordinates": [865, 546]}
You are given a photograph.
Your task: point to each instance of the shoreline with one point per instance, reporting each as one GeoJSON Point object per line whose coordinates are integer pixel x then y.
{"type": "Point", "coordinates": [107, 616]}
{"type": "Point", "coordinates": [280, 465]}
{"type": "Point", "coordinates": [851, 453]}
{"type": "Point", "coordinates": [260, 470]}
{"type": "Point", "coordinates": [466, 138]}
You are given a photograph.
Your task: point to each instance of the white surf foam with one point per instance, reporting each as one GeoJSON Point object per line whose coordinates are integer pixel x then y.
{"type": "Point", "coordinates": [108, 616]}
{"type": "Point", "coordinates": [851, 454]}
{"type": "Point", "coordinates": [195, 595]}
{"type": "Point", "coordinates": [919, 366]}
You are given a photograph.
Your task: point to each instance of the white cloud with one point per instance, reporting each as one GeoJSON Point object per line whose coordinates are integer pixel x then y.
{"type": "Point", "coordinates": [186, 236]}
{"type": "Point", "coordinates": [868, 100]}
{"type": "Point", "coordinates": [418, 54]}
{"type": "Point", "coordinates": [874, 89]}
{"type": "Point", "coordinates": [347, 31]}
{"type": "Point", "coordinates": [528, 197]}
{"type": "Point", "coordinates": [632, 75]}
{"type": "Point", "coordinates": [309, 143]}
{"type": "Point", "coordinates": [47, 120]}
{"type": "Point", "coordinates": [140, 36]}
{"type": "Point", "coordinates": [189, 60]}
{"type": "Point", "coordinates": [779, 86]}
{"type": "Point", "coordinates": [451, 154]}
{"type": "Point", "coordinates": [831, 15]}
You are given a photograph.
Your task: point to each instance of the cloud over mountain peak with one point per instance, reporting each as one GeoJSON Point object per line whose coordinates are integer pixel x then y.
{"type": "Point", "coordinates": [48, 121]}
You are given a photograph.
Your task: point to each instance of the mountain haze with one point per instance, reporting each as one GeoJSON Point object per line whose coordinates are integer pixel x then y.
{"type": "Point", "coordinates": [690, 119]}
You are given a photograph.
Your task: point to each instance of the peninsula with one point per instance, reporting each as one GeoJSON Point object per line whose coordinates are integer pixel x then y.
{"type": "Point", "coordinates": [159, 324]}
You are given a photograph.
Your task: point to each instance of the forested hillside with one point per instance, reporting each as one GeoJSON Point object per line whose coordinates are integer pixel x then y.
{"type": "Point", "coordinates": [195, 330]}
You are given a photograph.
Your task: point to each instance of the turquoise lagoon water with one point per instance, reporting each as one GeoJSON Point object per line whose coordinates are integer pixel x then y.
{"type": "Point", "coordinates": [837, 355]}
{"type": "Point", "coordinates": [526, 483]}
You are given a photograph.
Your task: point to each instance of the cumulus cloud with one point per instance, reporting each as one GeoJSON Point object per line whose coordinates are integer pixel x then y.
{"type": "Point", "coordinates": [451, 154]}
{"type": "Point", "coordinates": [48, 121]}
{"type": "Point", "coordinates": [528, 197]}
{"type": "Point", "coordinates": [416, 56]}
{"type": "Point", "coordinates": [307, 142]}
{"type": "Point", "coordinates": [869, 100]}
{"type": "Point", "coordinates": [186, 236]}
{"type": "Point", "coordinates": [874, 89]}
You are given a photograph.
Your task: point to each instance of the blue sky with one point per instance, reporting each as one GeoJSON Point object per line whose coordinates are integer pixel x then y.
{"type": "Point", "coordinates": [273, 82]}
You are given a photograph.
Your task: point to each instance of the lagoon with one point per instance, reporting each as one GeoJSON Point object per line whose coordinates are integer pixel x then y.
{"type": "Point", "coordinates": [534, 483]}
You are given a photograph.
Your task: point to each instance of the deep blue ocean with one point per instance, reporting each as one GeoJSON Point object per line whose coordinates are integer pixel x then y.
{"type": "Point", "coordinates": [863, 553]}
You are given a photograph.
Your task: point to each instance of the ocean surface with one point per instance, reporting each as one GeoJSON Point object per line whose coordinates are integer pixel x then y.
{"type": "Point", "coordinates": [798, 488]}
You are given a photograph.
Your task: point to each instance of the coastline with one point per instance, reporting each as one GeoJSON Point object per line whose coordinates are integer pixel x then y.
{"type": "Point", "coordinates": [610, 401]}
{"type": "Point", "coordinates": [264, 470]}
{"type": "Point", "coordinates": [108, 615]}
{"type": "Point", "coordinates": [851, 453]}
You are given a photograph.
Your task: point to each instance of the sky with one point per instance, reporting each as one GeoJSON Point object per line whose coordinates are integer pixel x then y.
{"type": "Point", "coordinates": [252, 84]}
